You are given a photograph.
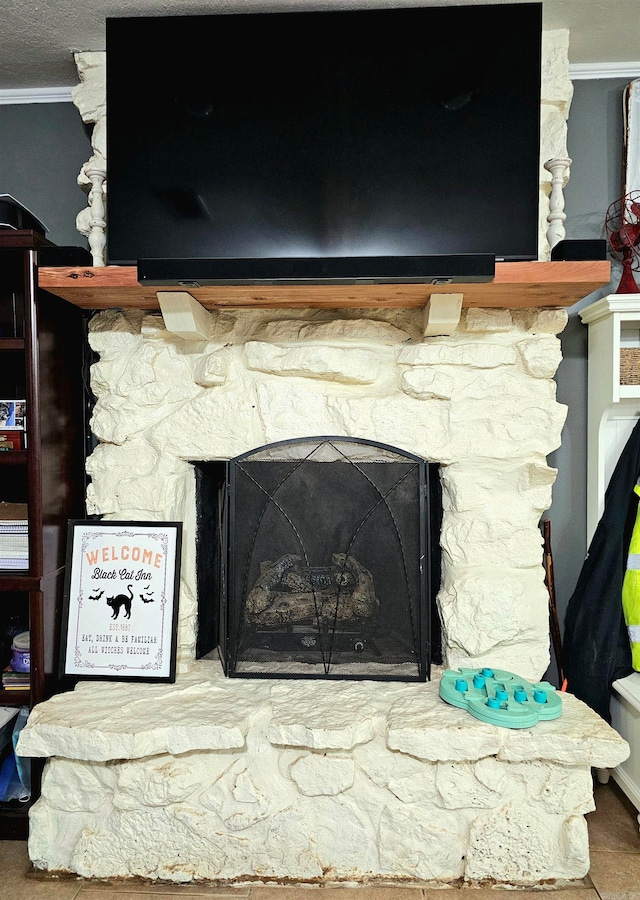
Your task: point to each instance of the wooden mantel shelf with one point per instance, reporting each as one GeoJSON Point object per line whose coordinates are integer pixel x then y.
{"type": "Point", "coordinates": [516, 285]}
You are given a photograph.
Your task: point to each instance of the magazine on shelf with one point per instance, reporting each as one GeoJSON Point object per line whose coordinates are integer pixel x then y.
{"type": "Point", "coordinates": [12, 413]}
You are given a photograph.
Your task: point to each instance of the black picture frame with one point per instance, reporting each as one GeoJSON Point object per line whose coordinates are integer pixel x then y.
{"type": "Point", "coordinates": [120, 603]}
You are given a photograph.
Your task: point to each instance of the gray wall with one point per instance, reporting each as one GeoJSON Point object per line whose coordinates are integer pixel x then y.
{"type": "Point", "coordinates": [595, 146]}
{"type": "Point", "coordinates": [42, 149]}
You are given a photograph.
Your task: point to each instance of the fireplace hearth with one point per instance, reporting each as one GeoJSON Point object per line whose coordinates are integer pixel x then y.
{"type": "Point", "coordinates": [324, 560]}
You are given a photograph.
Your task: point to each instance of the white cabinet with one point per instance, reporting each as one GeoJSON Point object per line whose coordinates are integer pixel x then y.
{"type": "Point", "coordinates": [613, 408]}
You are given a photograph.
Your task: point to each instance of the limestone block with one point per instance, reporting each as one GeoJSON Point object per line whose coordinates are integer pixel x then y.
{"type": "Point", "coordinates": [422, 725]}
{"type": "Point", "coordinates": [104, 849]}
{"type": "Point", "coordinates": [541, 355]}
{"type": "Point", "coordinates": [211, 369]}
{"type": "Point", "coordinates": [558, 789]}
{"type": "Point", "coordinates": [131, 477]}
{"type": "Point", "coordinates": [483, 613]}
{"type": "Point", "coordinates": [114, 720]}
{"type": "Point", "coordinates": [316, 774]}
{"type": "Point", "coordinates": [158, 781]}
{"type": "Point", "coordinates": [403, 775]}
{"type": "Point", "coordinates": [397, 420]}
{"type": "Point", "coordinates": [418, 787]}
{"type": "Point", "coordinates": [470, 541]}
{"type": "Point", "coordinates": [513, 490]}
{"type": "Point", "coordinates": [90, 96]}
{"type": "Point", "coordinates": [429, 849]}
{"type": "Point", "coordinates": [114, 321]}
{"type": "Point", "coordinates": [425, 383]}
{"type": "Point", "coordinates": [108, 465]}
{"type": "Point", "coordinates": [152, 327]}
{"type": "Point", "coordinates": [556, 86]}
{"type": "Point", "coordinates": [288, 849]}
{"type": "Point", "coordinates": [99, 144]}
{"type": "Point", "coordinates": [74, 787]}
{"type": "Point", "coordinates": [135, 389]}
{"type": "Point", "coordinates": [547, 321]}
{"type": "Point", "coordinates": [521, 843]}
{"type": "Point", "coordinates": [470, 785]}
{"type": "Point", "coordinates": [294, 412]}
{"type": "Point", "coordinates": [553, 135]}
{"type": "Point", "coordinates": [526, 654]}
{"type": "Point", "coordinates": [347, 366]}
{"type": "Point", "coordinates": [240, 800]}
{"type": "Point", "coordinates": [328, 723]}
{"type": "Point", "coordinates": [487, 320]}
{"type": "Point", "coordinates": [458, 353]}
{"type": "Point", "coordinates": [586, 739]}
{"type": "Point", "coordinates": [344, 836]}
{"type": "Point", "coordinates": [53, 834]}
{"type": "Point", "coordinates": [224, 422]}
{"type": "Point", "coordinates": [536, 482]}
{"type": "Point", "coordinates": [400, 422]}
{"type": "Point", "coordinates": [506, 385]}
{"type": "Point", "coordinates": [504, 427]}
{"type": "Point", "coordinates": [426, 727]}
{"type": "Point", "coordinates": [337, 331]}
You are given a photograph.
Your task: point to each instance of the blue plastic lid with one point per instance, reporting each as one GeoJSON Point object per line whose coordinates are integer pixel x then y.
{"type": "Point", "coordinates": [540, 696]}
{"type": "Point", "coordinates": [493, 703]}
{"type": "Point", "coordinates": [462, 684]}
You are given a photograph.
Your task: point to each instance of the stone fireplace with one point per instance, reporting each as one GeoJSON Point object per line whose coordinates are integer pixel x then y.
{"type": "Point", "coordinates": [321, 781]}
{"type": "Point", "coordinates": [315, 780]}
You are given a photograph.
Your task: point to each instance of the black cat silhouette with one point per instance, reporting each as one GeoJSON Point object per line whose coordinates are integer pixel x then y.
{"type": "Point", "coordinates": [120, 600]}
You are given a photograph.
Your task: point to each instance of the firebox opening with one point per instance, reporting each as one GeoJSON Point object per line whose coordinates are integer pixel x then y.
{"type": "Point", "coordinates": [319, 558]}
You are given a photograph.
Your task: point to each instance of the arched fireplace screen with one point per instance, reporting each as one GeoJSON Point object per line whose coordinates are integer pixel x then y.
{"type": "Point", "coordinates": [324, 568]}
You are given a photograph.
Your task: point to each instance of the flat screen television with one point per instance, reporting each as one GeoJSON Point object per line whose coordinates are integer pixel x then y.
{"type": "Point", "coordinates": [324, 145]}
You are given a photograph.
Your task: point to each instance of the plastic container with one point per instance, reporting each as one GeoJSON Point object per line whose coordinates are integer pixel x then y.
{"type": "Point", "coordinates": [21, 656]}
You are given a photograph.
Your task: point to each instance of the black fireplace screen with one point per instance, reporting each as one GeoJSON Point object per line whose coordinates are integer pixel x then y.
{"type": "Point", "coordinates": [323, 564]}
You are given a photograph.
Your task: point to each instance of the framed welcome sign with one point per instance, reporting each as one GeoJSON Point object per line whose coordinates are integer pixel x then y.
{"type": "Point", "coordinates": [121, 600]}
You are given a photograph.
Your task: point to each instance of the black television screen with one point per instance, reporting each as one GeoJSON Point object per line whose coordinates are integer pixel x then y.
{"type": "Point", "coordinates": [399, 132]}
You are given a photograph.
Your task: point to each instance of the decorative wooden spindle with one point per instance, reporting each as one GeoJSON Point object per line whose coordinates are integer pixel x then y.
{"type": "Point", "coordinates": [556, 218]}
{"type": "Point", "coordinates": [98, 224]}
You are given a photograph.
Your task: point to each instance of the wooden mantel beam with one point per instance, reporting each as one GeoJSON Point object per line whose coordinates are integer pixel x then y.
{"type": "Point", "coordinates": [516, 285]}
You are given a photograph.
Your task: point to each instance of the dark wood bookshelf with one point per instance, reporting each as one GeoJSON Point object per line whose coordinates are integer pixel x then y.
{"type": "Point", "coordinates": [42, 356]}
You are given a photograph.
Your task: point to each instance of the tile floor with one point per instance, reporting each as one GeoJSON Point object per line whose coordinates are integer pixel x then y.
{"type": "Point", "coordinates": [614, 875]}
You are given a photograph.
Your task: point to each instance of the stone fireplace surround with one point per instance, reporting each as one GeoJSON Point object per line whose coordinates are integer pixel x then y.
{"type": "Point", "coordinates": [235, 780]}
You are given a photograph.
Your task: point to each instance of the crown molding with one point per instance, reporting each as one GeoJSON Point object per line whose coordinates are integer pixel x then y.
{"type": "Point", "coordinates": [585, 71]}
{"type": "Point", "coordinates": [16, 96]}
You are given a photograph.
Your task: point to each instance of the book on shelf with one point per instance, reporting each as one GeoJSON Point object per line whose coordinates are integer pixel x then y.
{"type": "Point", "coordinates": [13, 515]}
{"type": "Point", "coordinates": [12, 439]}
{"type": "Point", "coordinates": [14, 680]}
{"type": "Point", "coordinates": [14, 536]}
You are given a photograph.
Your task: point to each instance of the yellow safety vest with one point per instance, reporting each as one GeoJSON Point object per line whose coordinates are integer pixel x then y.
{"type": "Point", "coordinates": [631, 591]}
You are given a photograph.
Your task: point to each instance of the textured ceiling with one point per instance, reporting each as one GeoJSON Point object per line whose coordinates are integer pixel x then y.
{"type": "Point", "coordinates": [38, 37]}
